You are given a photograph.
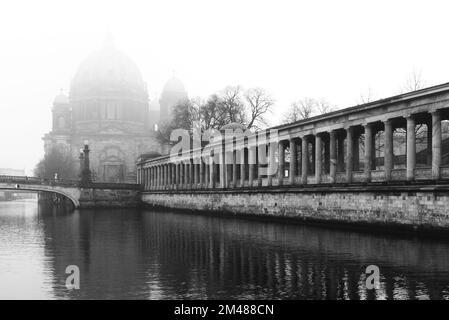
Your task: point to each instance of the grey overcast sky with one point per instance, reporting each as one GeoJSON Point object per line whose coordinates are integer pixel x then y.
{"type": "Point", "coordinates": [334, 50]}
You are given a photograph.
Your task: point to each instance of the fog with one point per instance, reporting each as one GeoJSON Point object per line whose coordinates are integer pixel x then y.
{"type": "Point", "coordinates": [334, 50]}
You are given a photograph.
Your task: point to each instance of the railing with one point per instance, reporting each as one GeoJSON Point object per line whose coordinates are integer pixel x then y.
{"type": "Point", "coordinates": [39, 181]}
{"type": "Point", "coordinates": [66, 183]}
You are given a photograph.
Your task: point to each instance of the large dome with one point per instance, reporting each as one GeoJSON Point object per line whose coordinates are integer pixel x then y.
{"type": "Point", "coordinates": [107, 69]}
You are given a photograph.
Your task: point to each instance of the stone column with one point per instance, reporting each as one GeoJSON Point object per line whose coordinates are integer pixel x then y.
{"type": "Point", "coordinates": [349, 153]}
{"type": "Point", "coordinates": [281, 167]}
{"type": "Point", "coordinates": [162, 176]}
{"type": "Point", "coordinates": [196, 174]}
{"type": "Point", "coordinates": [436, 144]}
{"type": "Point", "coordinates": [318, 164]}
{"type": "Point", "coordinates": [293, 154]}
{"type": "Point", "coordinates": [154, 177]}
{"type": "Point", "coordinates": [304, 160]}
{"type": "Point", "coordinates": [176, 176]}
{"type": "Point", "coordinates": [388, 149]}
{"type": "Point", "coordinates": [333, 156]}
{"type": "Point", "coordinates": [186, 175]}
{"type": "Point", "coordinates": [259, 165]}
{"type": "Point", "coordinates": [411, 148]}
{"type": "Point", "coordinates": [312, 166]}
{"type": "Point", "coordinates": [252, 164]}
{"type": "Point", "coordinates": [242, 167]}
{"type": "Point", "coordinates": [165, 176]}
{"type": "Point", "coordinates": [173, 174]}
{"type": "Point", "coordinates": [212, 172]}
{"type": "Point", "coordinates": [191, 174]}
{"type": "Point", "coordinates": [156, 174]}
{"type": "Point", "coordinates": [271, 163]}
{"type": "Point", "coordinates": [368, 151]}
{"type": "Point", "coordinates": [206, 175]}
{"type": "Point", "coordinates": [168, 180]}
{"type": "Point", "coordinates": [223, 167]}
{"type": "Point", "coordinates": [234, 169]}
{"type": "Point", "coordinates": [202, 173]}
{"type": "Point", "coordinates": [154, 183]}
{"type": "Point", "coordinates": [181, 175]}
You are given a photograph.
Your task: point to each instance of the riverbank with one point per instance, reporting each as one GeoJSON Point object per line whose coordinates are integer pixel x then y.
{"type": "Point", "coordinates": [416, 209]}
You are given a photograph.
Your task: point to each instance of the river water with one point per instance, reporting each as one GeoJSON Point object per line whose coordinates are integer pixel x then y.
{"type": "Point", "coordinates": [150, 254]}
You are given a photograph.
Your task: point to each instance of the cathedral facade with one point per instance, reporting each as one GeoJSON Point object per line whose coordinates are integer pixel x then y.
{"type": "Point", "coordinates": [108, 106]}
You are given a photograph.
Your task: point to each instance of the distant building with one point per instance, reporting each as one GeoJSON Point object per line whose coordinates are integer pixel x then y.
{"type": "Point", "coordinates": [108, 105]}
{"type": "Point", "coordinates": [11, 172]}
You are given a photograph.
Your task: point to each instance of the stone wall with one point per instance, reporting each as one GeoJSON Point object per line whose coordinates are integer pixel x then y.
{"type": "Point", "coordinates": [95, 197]}
{"type": "Point", "coordinates": [401, 207]}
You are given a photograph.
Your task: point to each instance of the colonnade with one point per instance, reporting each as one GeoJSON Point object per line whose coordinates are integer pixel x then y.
{"type": "Point", "coordinates": [325, 156]}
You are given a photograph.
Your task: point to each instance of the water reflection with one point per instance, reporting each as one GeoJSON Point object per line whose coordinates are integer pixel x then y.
{"type": "Point", "coordinates": [160, 255]}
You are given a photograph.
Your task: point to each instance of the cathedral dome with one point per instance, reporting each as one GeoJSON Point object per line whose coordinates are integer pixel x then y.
{"type": "Point", "coordinates": [108, 69]}
{"type": "Point", "coordinates": [174, 85]}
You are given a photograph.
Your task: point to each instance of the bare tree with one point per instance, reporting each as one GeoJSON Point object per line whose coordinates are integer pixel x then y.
{"type": "Point", "coordinates": [231, 104]}
{"type": "Point", "coordinates": [366, 97]}
{"type": "Point", "coordinates": [413, 82]}
{"type": "Point", "coordinates": [323, 107]}
{"type": "Point", "coordinates": [57, 161]}
{"type": "Point", "coordinates": [259, 104]}
{"type": "Point", "coordinates": [306, 108]}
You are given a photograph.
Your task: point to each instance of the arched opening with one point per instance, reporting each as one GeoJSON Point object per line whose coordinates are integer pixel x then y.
{"type": "Point", "coordinates": [399, 147]}
{"type": "Point", "coordinates": [379, 150]}
{"type": "Point", "coordinates": [46, 196]}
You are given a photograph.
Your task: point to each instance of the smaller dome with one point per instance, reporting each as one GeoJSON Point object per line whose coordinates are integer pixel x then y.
{"type": "Point", "coordinates": [174, 85]}
{"type": "Point", "coordinates": [233, 126]}
{"type": "Point", "coordinates": [61, 98]}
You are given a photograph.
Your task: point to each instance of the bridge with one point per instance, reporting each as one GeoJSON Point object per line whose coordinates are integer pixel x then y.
{"type": "Point", "coordinates": [381, 162]}
{"type": "Point", "coordinates": [91, 195]}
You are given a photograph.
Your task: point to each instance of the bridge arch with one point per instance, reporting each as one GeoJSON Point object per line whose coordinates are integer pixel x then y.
{"type": "Point", "coordinates": [69, 193]}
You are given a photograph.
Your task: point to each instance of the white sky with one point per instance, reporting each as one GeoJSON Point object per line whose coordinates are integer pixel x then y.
{"type": "Point", "coordinates": [334, 50]}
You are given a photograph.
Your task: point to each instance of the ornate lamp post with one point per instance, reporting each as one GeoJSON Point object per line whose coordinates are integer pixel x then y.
{"type": "Point", "coordinates": [86, 174]}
